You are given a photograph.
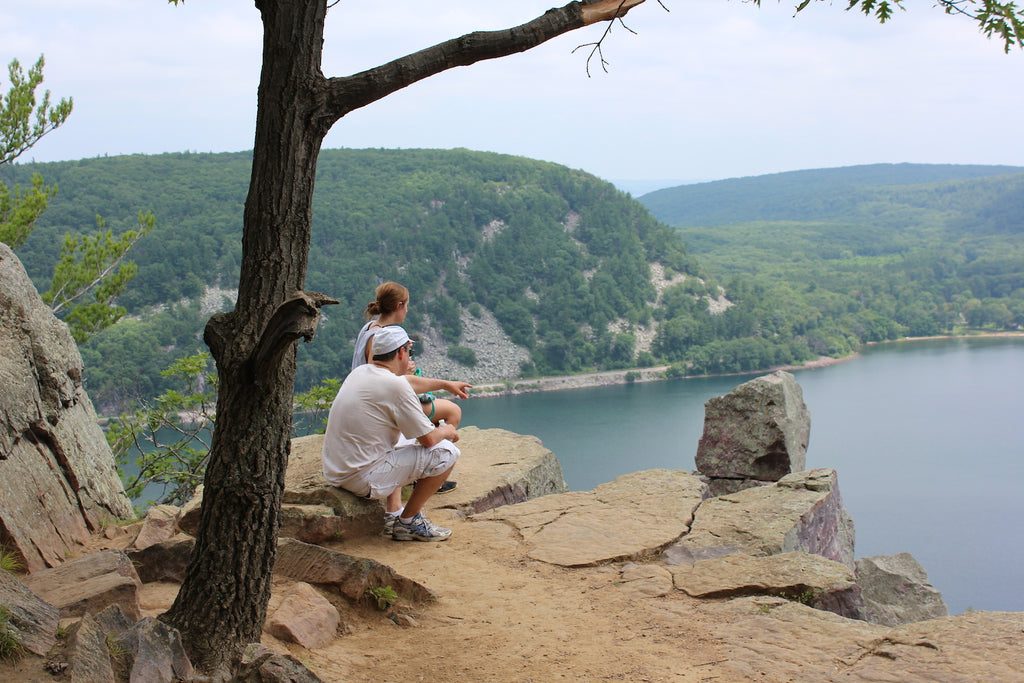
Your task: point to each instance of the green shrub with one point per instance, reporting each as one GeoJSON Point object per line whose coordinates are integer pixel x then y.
{"type": "Point", "coordinates": [463, 355]}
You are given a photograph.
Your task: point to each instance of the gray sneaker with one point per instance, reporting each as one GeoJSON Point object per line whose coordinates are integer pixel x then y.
{"type": "Point", "coordinates": [419, 529]}
{"type": "Point", "coordinates": [389, 523]}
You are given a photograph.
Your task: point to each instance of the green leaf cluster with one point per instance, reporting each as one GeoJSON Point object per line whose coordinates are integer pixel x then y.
{"type": "Point", "coordinates": [1003, 21]}
{"type": "Point", "coordinates": [94, 265]}
{"type": "Point", "coordinates": [19, 210]}
{"type": "Point", "coordinates": [23, 121]}
{"type": "Point", "coordinates": [312, 407]}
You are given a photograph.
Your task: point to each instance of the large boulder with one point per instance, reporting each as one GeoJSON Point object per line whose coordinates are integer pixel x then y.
{"type": "Point", "coordinates": [32, 619]}
{"type": "Point", "coordinates": [304, 617]}
{"type": "Point", "coordinates": [154, 652]}
{"type": "Point", "coordinates": [499, 467]}
{"type": "Point", "coordinates": [758, 432]}
{"type": "Point", "coordinates": [60, 475]}
{"type": "Point", "coordinates": [896, 590]}
{"type": "Point", "coordinates": [165, 561]}
{"type": "Point", "coordinates": [84, 654]}
{"type": "Point", "coordinates": [347, 576]}
{"type": "Point", "coordinates": [89, 583]}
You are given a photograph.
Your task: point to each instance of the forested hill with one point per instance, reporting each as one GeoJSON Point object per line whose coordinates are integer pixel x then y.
{"type": "Point", "coordinates": [561, 259]}
{"type": "Point", "coordinates": [553, 267]}
{"type": "Point", "coordinates": [865, 253]}
{"type": "Point", "coordinates": [831, 194]}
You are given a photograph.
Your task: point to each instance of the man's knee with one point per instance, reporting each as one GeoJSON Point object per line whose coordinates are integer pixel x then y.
{"type": "Point", "coordinates": [442, 458]}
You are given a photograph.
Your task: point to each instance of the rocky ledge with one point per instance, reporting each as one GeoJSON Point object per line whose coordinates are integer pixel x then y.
{"type": "Point", "coordinates": [773, 563]}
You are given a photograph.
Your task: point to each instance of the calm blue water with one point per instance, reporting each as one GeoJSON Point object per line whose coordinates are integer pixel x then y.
{"type": "Point", "coordinates": [927, 438]}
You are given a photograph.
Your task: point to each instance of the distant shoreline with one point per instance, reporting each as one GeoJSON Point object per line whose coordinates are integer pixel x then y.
{"type": "Point", "coordinates": [656, 373]}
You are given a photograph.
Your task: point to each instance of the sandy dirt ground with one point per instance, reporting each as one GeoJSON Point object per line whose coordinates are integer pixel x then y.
{"type": "Point", "coordinates": [502, 617]}
{"type": "Point", "coordinates": [498, 616]}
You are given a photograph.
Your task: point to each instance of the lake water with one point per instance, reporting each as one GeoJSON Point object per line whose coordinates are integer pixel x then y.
{"type": "Point", "coordinates": [927, 439]}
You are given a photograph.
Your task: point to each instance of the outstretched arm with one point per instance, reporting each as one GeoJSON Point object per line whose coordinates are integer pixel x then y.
{"type": "Point", "coordinates": [422, 385]}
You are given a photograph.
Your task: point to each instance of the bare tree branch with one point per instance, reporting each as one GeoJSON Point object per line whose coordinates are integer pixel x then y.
{"type": "Point", "coordinates": [597, 46]}
{"type": "Point", "coordinates": [345, 94]}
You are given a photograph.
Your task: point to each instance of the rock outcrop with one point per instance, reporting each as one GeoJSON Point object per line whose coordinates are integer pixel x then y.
{"type": "Point", "coordinates": [756, 433]}
{"type": "Point", "coordinates": [497, 467]}
{"type": "Point", "coordinates": [33, 620]}
{"type": "Point", "coordinates": [976, 646]}
{"type": "Point", "coordinates": [801, 577]}
{"type": "Point", "coordinates": [802, 511]}
{"type": "Point", "coordinates": [896, 590]}
{"type": "Point", "coordinates": [763, 556]}
{"type": "Point", "coordinates": [50, 440]}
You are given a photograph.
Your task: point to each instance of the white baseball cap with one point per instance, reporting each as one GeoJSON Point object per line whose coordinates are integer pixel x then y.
{"type": "Point", "coordinates": [389, 338]}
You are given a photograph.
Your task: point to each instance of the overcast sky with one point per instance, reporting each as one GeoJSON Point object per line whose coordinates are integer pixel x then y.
{"type": "Point", "coordinates": [711, 89]}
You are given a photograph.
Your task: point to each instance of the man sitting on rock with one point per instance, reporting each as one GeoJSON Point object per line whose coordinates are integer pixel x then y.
{"type": "Point", "coordinates": [364, 451]}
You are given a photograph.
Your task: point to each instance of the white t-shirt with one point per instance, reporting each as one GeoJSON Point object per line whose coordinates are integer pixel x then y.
{"type": "Point", "coordinates": [372, 410]}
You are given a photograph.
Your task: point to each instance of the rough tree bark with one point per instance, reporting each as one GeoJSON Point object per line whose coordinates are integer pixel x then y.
{"type": "Point", "coordinates": [222, 602]}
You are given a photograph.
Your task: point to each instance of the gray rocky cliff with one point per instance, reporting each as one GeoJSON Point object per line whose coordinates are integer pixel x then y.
{"type": "Point", "coordinates": [60, 479]}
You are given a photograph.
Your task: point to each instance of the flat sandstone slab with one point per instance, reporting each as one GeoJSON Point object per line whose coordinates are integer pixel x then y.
{"type": "Point", "coordinates": [630, 518]}
{"type": "Point", "coordinates": [785, 641]}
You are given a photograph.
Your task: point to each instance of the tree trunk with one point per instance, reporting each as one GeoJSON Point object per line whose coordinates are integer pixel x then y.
{"type": "Point", "coordinates": [222, 603]}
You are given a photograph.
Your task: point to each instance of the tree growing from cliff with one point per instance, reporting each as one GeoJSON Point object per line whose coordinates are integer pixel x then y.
{"type": "Point", "coordinates": [222, 602]}
{"type": "Point", "coordinates": [23, 121]}
{"type": "Point", "coordinates": [89, 265]}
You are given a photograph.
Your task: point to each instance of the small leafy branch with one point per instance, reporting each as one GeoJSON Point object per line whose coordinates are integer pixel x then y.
{"type": "Point", "coordinates": [384, 595]}
{"type": "Point", "coordinates": [168, 443]}
{"type": "Point", "coordinates": [94, 265]}
{"type": "Point", "coordinates": [315, 404]}
{"type": "Point", "coordinates": [22, 121]}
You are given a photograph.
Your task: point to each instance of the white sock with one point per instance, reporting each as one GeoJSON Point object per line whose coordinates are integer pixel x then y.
{"type": "Point", "coordinates": [396, 513]}
{"type": "Point", "coordinates": [406, 520]}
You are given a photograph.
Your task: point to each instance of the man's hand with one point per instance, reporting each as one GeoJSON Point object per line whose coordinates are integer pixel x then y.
{"type": "Point", "coordinates": [422, 385]}
{"type": "Point", "coordinates": [458, 388]}
{"type": "Point", "coordinates": [440, 433]}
